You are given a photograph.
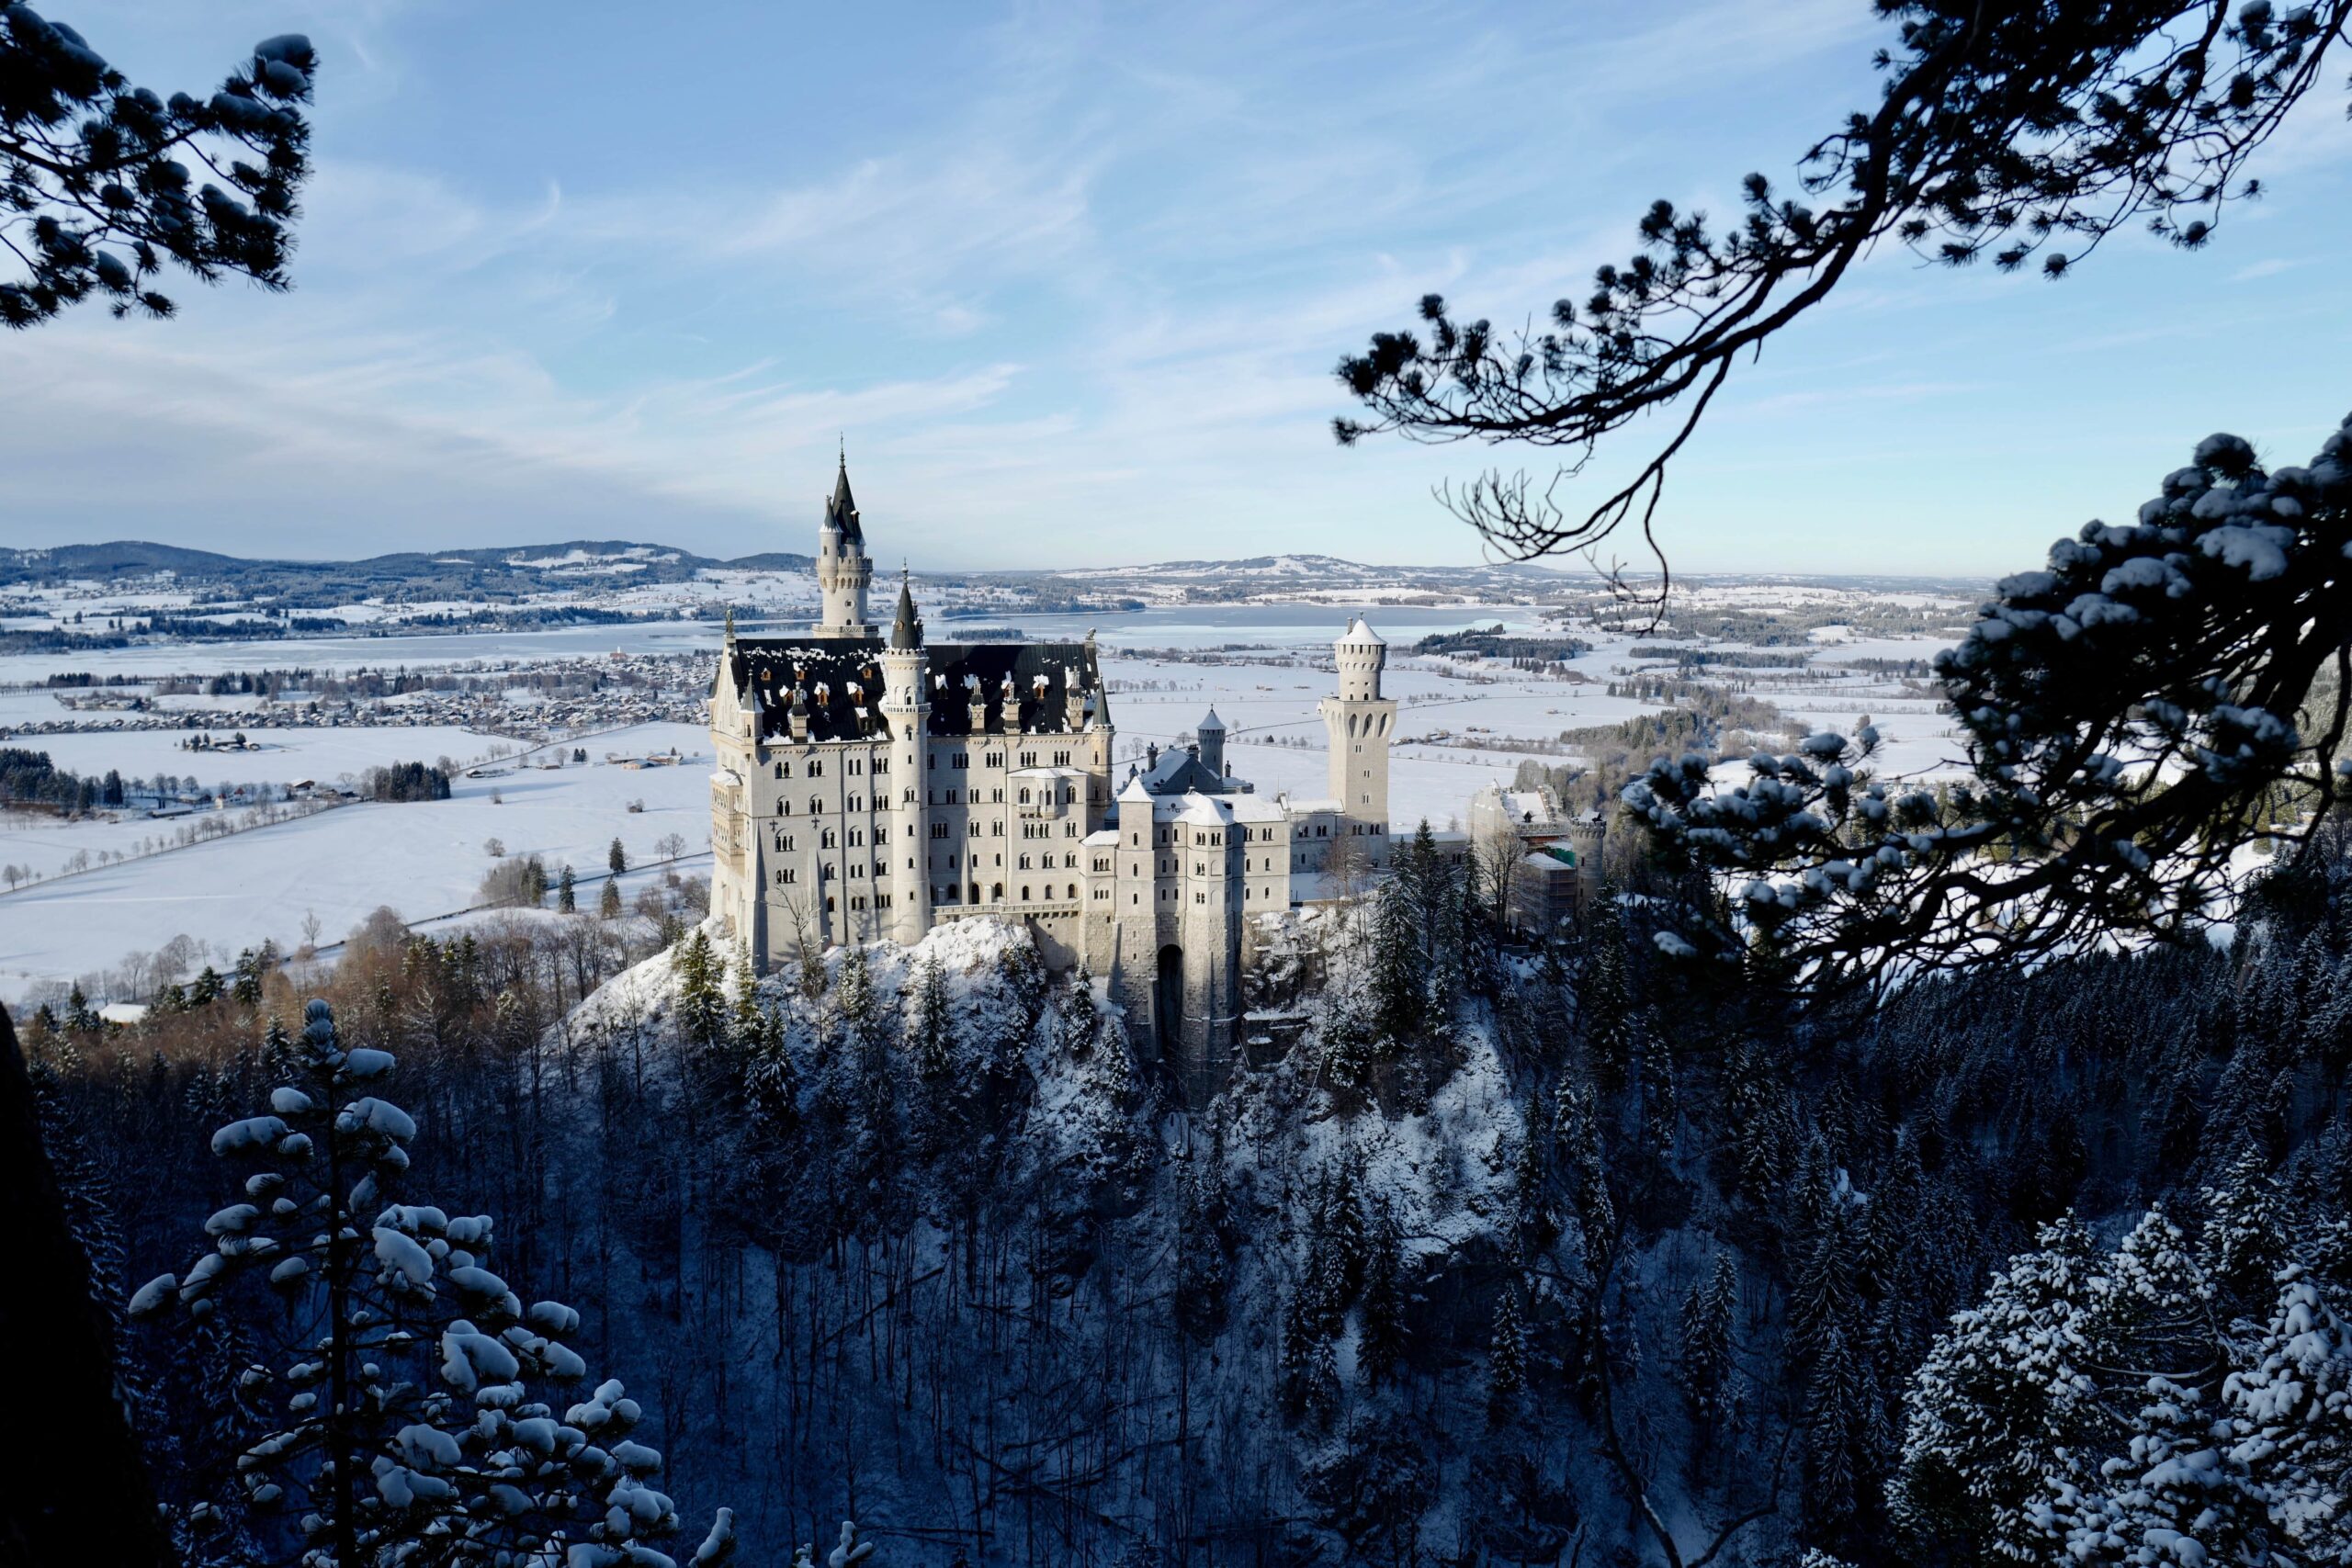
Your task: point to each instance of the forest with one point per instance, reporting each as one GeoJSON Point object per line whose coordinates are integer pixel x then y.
{"type": "Point", "coordinates": [1516, 1254]}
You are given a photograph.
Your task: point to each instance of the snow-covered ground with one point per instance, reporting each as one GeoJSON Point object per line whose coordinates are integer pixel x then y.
{"type": "Point", "coordinates": [420, 858]}
{"type": "Point", "coordinates": [1461, 723]}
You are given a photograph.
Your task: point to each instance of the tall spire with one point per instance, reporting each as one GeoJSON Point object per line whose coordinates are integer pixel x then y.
{"type": "Point", "coordinates": [906, 632]}
{"type": "Point", "coordinates": [840, 512]}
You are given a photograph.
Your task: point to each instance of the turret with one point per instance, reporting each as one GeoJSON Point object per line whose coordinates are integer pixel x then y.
{"type": "Point", "coordinates": [1211, 734]}
{"type": "Point", "coordinates": [906, 707]}
{"type": "Point", "coordinates": [842, 570]}
{"type": "Point", "coordinates": [1359, 724]}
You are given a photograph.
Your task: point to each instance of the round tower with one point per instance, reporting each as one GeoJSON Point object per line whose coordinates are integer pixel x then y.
{"type": "Point", "coordinates": [842, 570]}
{"type": "Point", "coordinates": [906, 704]}
{"type": "Point", "coordinates": [1210, 732]}
{"type": "Point", "coordinates": [1586, 834]}
{"type": "Point", "coordinates": [1361, 723]}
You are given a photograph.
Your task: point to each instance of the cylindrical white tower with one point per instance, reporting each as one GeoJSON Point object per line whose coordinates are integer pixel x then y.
{"type": "Point", "coordinates": [906, 704]}
{"type": "Point", "coordinates": [842, 571]}
{"type": "Point", "coordinates": [1360, 723]}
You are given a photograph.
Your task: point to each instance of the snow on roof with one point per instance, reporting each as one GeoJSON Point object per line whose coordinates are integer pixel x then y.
{"type": "Point", "coordinates": [1360, 634]}
{"type": "Point", "coordinates": [1211, 722]}
{"type": "Point", "coordinates": [124, 1013]}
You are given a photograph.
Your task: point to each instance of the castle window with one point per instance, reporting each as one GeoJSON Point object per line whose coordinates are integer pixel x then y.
{"type": "Point", "coordinates": [1061, 759]}
{"type": "Point", "coordinates": [1025, 794]}
{"type": "Point", "coordinates": [1025, 893]}
{"type": "Point", "coordinates": [783, 807]}
{"type": "Point", "coordinates": [996, 759]}
{"type": "Point", "coordinates": [881, 765]}
{"type": "Point", "coordinates": [1025, 862]}
{"type": "Point", "coordinates": [856, 838]}
{"type": "Point", "coordinates": [1134, 897]}
{"type": "Point", "coordinates": [779, 769]}
{"type": "Point", "coordinates": [856, 872]}
{"type": "Point", "coordinates": [996, 891]}
{"type": "Point", "coordinates": [976, 829]}
{"type": "Point", "coordinates": [976, 893]}
{"type": "Point", "coordinates": [827, 839]}
{"type": "Point", "coordinates": [784, 877]}
{"type": "Point", "coordinates": [934, 762]}
{"type": "Point", "coordinates": [857, 903]}
{"type": "Point", "coordinates": [825, 871]}
{"type": "Point", "coordinates": [1073, 889]}
{"type": "Point", "coordinates": [816, 767]}
{"type": "Point", "coordinates": [829, 903]}
{"type": "Point", "coordinates": [960, 760]}
{"type": "Point", "coordinates": [856, 766]}
{"type": "Point", "coordinates": [816, 805]}
{"type": "Point", "coordinates": [939, 830]}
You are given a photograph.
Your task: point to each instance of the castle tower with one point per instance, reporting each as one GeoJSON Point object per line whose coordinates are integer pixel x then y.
{"type": "Point", "coordinates": [1208, 848]}
{"type": "Point", "coordinates": [1361, 723]}
{"type": "Point", "coordinates": [1212, 737]}
{"type": "Point", "coordinates": [842, 570]}
{"type": "Point", "coordinates": [1586, 835]}
{"type": "Point", "coordinates": [906, 705]}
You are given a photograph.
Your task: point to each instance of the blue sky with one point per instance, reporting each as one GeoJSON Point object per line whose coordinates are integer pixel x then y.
{"type": "Point", "coordinates": [1070, 279]}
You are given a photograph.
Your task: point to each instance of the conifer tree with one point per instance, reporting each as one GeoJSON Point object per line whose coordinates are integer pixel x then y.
{"type": "Point", "coordinates": [1202, 1277]}
{"type": "Point", "coordinates": [412, 1382]}
{"type": "Point", "coordinates": [1604, 1002]}
{"type": "Point", "coordinates": [608, 902]}
{"type": "Point", "coordinates": [1382, 1344]}
{"type": "Point", "coordinates": [702, 1009]}
{"type": "Point", "coordinates": [2246, 1232]}
{"type": "Point", "coordinates": [1708, 1313]}
{"type": "Point", "coordinates": [616, 857]}
{"type": "Point", "coordinates": [751, 1027]}
{"type": "Point", "coordinates": [1399, 1002]}
{"type": "Point", "coordinates": [567, 899]}
{"type": "Point", "coordinates": [1507, 1357]}
{"type": "Point", "coordinates": [932, 1031]}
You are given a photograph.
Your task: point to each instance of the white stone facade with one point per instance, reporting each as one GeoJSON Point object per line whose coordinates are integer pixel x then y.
{"type": "Point", "coordinates": [867, 787]}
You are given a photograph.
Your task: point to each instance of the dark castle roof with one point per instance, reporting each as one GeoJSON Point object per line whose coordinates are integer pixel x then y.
{"type": "Point", "coordinates": [840, 512]}
{"type": "Point", "coordinates": [841, 680]}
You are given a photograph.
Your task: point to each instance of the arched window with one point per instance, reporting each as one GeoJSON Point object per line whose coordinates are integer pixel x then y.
{"type": "Point", "coordinates": [815, 805]}
{"type": "Point", "coordinates": [1025, 893]}
{"type": "Point", "coordinates": [996, 891]}
{"type": "Point", "coordinates": [1073, 889]}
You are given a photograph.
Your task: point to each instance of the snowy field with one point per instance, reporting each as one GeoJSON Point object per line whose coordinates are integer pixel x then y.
{"type": "Point", "coordinates": [1456, 722]}
{"type": "Point", "coordinates": [420, 858]}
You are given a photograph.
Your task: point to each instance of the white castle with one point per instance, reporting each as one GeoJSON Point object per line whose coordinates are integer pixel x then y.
{"type": "Point", "coordinates": [869, 787]}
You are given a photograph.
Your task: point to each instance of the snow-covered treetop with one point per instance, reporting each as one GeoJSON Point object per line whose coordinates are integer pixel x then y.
{"type": "Point", "coordinates": [2126, 711]}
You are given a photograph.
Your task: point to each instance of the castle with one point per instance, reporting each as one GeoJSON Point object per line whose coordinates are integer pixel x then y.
{"type": "Point", "coordinates": [869, 786]}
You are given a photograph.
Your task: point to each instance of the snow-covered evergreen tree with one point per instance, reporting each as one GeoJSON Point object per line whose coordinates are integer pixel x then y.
{"type": "Point", "coordinates": [406, 1414]}
{"type": "Point", "coordinates": [1709, 1312]}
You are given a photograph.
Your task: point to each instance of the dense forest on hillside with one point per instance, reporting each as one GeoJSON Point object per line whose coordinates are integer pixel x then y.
{"type": "Point", "coordinates": [1516, 1255]}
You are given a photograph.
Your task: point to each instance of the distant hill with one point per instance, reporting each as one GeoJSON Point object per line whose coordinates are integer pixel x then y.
{"type": "Point", "coordinates": [407, 576]}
